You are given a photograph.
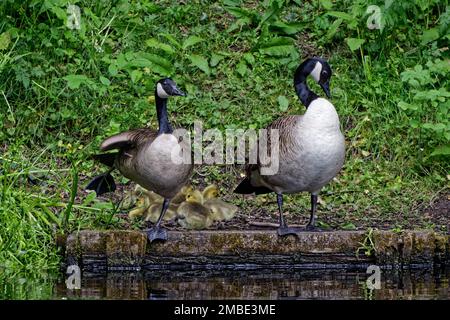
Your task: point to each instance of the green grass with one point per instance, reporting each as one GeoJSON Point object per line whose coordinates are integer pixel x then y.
{"type": "Point", "coordinates": [62, 91]}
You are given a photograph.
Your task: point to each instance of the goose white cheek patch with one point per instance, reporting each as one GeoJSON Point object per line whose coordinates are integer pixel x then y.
{"type": "Point", "coordinates": [161, 92]}
{"type": "Point", "coordinates": [316, 71]}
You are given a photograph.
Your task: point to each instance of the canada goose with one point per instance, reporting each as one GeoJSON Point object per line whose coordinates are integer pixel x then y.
{"type": "Point", "coordinates": [192, 214]}
{"type": "Point", "coordinates": [311, 146]}
{"type": "Point", "coordinates": [146, 157]}
{"type": "Point", "coordinates": [219, 209]}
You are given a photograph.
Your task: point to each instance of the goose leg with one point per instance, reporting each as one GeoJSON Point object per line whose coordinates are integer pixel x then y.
{"type": "Point", "coordinates": [157, 232]}
{"type": "Point", "coordinates": [312, 219]}
{"type": "Point", "coordinates": [283, 229]}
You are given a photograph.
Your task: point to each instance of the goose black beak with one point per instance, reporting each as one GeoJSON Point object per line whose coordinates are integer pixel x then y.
{"type": "Point", "coordinates": [326, 88]}
{"type": "Point", "coordinates": [178, 92]}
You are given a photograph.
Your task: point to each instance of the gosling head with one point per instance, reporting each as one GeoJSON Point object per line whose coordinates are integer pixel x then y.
{"type": "Point", "coordinates": [167, 87]}
{"type": "Point", "coordinates": [320, 71]}
{"type": "Point", "coordinates": [194, 196]}
{"type": "Point", "coordinates": [210, 192]}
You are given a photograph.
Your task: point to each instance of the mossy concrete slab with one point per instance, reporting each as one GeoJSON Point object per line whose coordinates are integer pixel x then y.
{"type": "Point", "coordinates": [125, 249]}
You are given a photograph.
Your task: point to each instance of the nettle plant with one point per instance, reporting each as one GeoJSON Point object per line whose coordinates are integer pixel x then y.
{"type": "Point", "coordinates": [429, 104]}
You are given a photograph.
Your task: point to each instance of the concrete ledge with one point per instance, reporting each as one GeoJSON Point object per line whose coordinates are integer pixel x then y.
{"type": "Point", "coordinates": [98, 251]}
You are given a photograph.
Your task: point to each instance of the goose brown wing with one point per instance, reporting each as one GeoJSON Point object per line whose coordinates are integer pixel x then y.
{"type": "Point", "coordinates": [286, 133]}
{"type": "Point", "coordinates": [128, 139]}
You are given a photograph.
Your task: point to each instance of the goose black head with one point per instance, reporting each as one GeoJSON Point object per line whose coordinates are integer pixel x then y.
{"type": "Point", "coordinates": [320, 71]}
{"type": "Point", "coordinates": [167, 87]}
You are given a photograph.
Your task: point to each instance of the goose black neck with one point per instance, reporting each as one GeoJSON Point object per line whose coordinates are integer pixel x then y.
{"type": "Point", "coordinates": [161, 112]}
{"type": "Point", "coordinates": [305, 94]}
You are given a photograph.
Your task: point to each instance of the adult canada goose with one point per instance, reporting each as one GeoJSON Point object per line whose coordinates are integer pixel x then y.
{"type": "Point", "coordinates": [146, 157]}
{"type": "Point", "coordinates": [311, 146]}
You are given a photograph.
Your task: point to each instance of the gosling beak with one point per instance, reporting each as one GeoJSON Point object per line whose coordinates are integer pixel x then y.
{"type": "Point", "coordinates": [326, 88]}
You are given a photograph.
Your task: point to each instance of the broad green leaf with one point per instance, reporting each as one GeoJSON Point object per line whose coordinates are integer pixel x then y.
{"type": "Point", "coordinates": [162, 65]}
{"type": "Point", "coordinates": [105, 81]}
{"type": "Point", "coordinates": [75, 80]}
{"type": "Point", "coordinates": [288, 28]}
{"type": "Point", "coordinates": [283, 102]}
{"type": "Point", "coordinates": [281, 46]}
{"type": "Point", "coordinates": [136, 75]}
{"type": "Point", "coordinates": [153, 43]}
{"type": "Point", "coordinates": [441, 151]}
{"type": "Point", "coordinates": [241, 68]}
{"type": "Point", "coordinates": [215, 59]}
{"type": "Point", "coordinates": [438, 127]}
{"type": "Point", "coordinates": [326, 4]}
{"type": "Point", "coordinates": [406, 106]}
{"type": "Point", "coordinates": [60, 13]}
{"type": "Point", "coordinates": [190, 41]}
{"type": "Point", "coordinates": [341, 15]}
{"type": "Point", "coordinates": [354, 43]}
{"type": "Point", "coordinates": [348, 226]}
{"type": "Point", "coordinates": [5, 40]}
{"type": "Point", "coordinates": [171, 39]}
{"type": "Point", "coordinates": [249, 58]}
{"type": "Point", "coordinates": [429, 35]}
{"type": "Point", "coordinates": [112, 69]}
{"type": "Point", "coordinates": [200, 62]}
{"type": "Point", "coordinates": [334, 28]}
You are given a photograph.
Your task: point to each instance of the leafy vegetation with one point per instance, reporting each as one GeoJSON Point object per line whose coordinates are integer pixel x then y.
{"type": "Point", "coordinates": [63, 89]}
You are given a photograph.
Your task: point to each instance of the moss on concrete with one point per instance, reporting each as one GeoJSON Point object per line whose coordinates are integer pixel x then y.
{"type": "Point", "coordinates": [130, 248]}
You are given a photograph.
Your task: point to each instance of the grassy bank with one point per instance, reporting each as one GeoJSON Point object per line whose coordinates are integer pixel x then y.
{"type": "Point", "coordinates": [62, 90]}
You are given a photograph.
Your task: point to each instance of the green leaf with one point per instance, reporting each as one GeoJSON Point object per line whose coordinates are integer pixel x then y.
{"type": "Point", "coordinates": [283, 102]}
{"type": "Point", "coordinates": [437, 127]}
{"type": "Point", "coordinates": [334, 28]}
{"type": "Point", "coordinates": [75, 80]}
{"type": "Point", "coordinates": [171, 39]}
{"type": "Point", "coordinates": [241, 68]}
{"type": "Point", "coordinates": [105, 81]}
{"type": "Point", "coordinates": [249, 58]}
{"type": "Point", "coordinates": [288, 28]}
{"type": "Point", "coordinates": [348, 226]}
{"type": "Point", "coordinates": [136, 75]}
{"type": "Point", "coordinates": [441, 151]}
{"type": "Point", "coordinates": [5, 40]}
{"type": "Point", "coordinates": [190, 41]}
{"type": "Point", "coordinates": [159, 64]}
{"type": "Point", "coordinates": [281, 46]}
{"type": "Point", "coordinates": [406, 106]}
{"type": "Point", "coordinates": [200, 62]}
{"type": "Point", "coordinates": [153, 43]}
{"type": "Point", "coordinates": [429, 35]}
{"type": "Point", "coordinates": [60, 13]}
{"type": "Point", "coordinates": [215, 59]}
{"type": "Point", "coordinates": [341, 15]}
{"type": "Point", "coordinates": [354, 43]}
{"type": "Point", "coordinates": [326, 4]}
{"type": "Point", "coordinates": [112, 69]}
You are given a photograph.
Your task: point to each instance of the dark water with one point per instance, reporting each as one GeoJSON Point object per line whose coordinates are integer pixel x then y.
{"type": "Point", "coordinates": [256, 284]}
{"type": "Point", "coordinates": [260, 284]}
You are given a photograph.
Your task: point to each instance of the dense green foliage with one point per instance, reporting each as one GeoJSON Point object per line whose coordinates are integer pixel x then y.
{"type": "Point", "coordinates": [63, 90]}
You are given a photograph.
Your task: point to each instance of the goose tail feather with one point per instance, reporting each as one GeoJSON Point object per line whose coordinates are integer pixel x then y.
{"type": "Point", "coordinates": [106, 158]}
{"type": "Point", "coordinates": [246, 187]}
{"type": "Point", "coordinates": [101, 184]}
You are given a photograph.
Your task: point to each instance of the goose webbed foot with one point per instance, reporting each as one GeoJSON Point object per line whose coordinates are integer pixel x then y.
{"type": "Point", "coordinates": [283, 231]}
{"type": "Point", "coordinates": [156, 233]}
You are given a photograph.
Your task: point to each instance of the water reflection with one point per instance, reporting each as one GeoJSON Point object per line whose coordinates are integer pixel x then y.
{"type": "Point", "coordinates": [259, 284]}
